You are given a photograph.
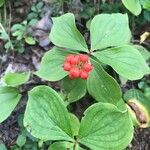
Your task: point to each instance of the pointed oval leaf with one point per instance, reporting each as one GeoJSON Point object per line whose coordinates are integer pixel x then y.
{"type": "Point", "coordinates": [75, 124]}
{"type": "Point", "coordinates": [51, 68]}
{"type": "Point", "coordinates": [105, 127]}
{"type": "Point", "coordinates": [125, 60]}
{"type": "Point", "coordinates": [46, 116]}
{"type": "Point", "coordinates": [133, 6]}
{"type": "Point", "coordinates": [15, 79]}
{"type": "Point", "coordinates": [109, 30]}
{"type": "Point", "coordinates": [64, 33]}
{"type": "Point", "coordinates": [9, 98]}
{"type": "Point", "coordinates": [74, 89]}
{"type": "Point", "coordinates": [101, 86]}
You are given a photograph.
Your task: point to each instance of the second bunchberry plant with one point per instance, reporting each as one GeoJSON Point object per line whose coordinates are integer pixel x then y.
{"type": "Point", "coordinates": [107, 124]}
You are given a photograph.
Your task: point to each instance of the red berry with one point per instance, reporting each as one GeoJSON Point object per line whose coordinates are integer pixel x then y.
{"type": "Point", "coordinates": [74, 73]}
{"type": "Point", "coordinates": [87, 67]}
{"type": "Point", "coordinates": [84, 75]}
{"type": "Point", "coordinates": [83, 58]}
{"type": "Point", "coordinates": [69, 57]}
{"type": "Point", "coordinates": [67, 66]}
{"type": "Point", "coordinates": [74, 60]}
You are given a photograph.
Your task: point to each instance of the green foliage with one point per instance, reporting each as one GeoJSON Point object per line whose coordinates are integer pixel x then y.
{"type": "Point", "coordinates": [61, 146]}
{"type": "Point", "coordinates": [53, 121]}
{"type": "Point", "coordinates": [75, 124]}
{"type": "Point", "coordinates": [9, 98]}
{"type": "Point", "coordinates": [73, 89]}
{"type": "Point", "coordinates": [20, 32]}
{"type": "Point", "coordinates": [65, 34]}
{"type": "Point", "coordinates": [105, 127]}
{"type": "Point", "coordinates": [21, 140]}
{"type": "Point", "coordinates": [35, 11]}
{"type": "Point", "coordinates": [3, 147]}
{"type": "Point", "coordinates": [106, 124]}
{"type": "Point", "coordinates": [2, 2]}
{"type": "Point", "coordinates": [5, 36]}
{"type": "Point", "coordinates": [102, 86]}
{"type": "Point", "coordinates": [15, 79]}
{"type": "Point", "coordinates": [145, 4]}
{"type": "Point", "coordinates": [134, 6]}
{"type": "Point", "coordinates": [104, 31]}
{"type": "Point", "coordinates": [125, 60]}
{"type": "Point", "coordinates": [51, 66]}
{"type": "Point", "coordinates": [141, 107]}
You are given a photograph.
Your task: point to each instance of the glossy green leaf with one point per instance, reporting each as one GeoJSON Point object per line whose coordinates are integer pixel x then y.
{"type": "Point", "coordinates": [74, 89]}
{"type": "Point", "coordinates": [75, 124]}
{"type": "Point", "coordinates": [46, 116]}
{"type": "Point", "coordinates": [61, 146]}
{"type": "Point", "coordinates": [51, 68]}
{"type": "Point", "coordinates": [146, 4]}
{"type": "Point", "coordinates": [15, 79]}
{"type": "Point", "coordinates": [105, 127]}
{"type": "Point", "coordinates": [64, 33]}
{"type": "Point", "coordinates": [21, 140]}
{"type": "Point", "coordinates": [9, 98]}
{"type": "Point", "coordinates": [109, 30]}
{"type": "Point", "coordinates": [133, 6]}
{"type": "Point", "coordinates": [30, 40]}
{"type": "Point", "coordinates": [101, 86]}
{"type": "Point", "coordinates": [125, 60]}
{"type": "Point", "coordinates": [145, 53]}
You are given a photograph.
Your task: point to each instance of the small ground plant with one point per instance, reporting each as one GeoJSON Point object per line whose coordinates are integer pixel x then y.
{"type": "Point", "coordinates": [109, 123]}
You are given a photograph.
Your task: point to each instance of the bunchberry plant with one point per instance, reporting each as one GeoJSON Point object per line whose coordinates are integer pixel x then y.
{"type": "Point", "coordinates": [106, 125]}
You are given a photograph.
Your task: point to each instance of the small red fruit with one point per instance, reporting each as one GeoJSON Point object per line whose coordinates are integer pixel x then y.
{"type": "Point", "coordinates": [74, 60]}
{"type": "Point", "coordinates": [84, 75]}
{"type": "Point", "coordinates": [69, 57]}
{"type": "Point", "coordinates": [67, 66]}
{"type": "Point", "coordinates": [87, 67]}
{"type": "Point", "coordinates": [83, 58]}
{"type": "Point", "coordinates": [74, 73]}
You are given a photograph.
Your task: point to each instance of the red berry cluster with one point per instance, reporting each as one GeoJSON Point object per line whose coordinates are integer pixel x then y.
{"type": "Point", "coordinates": [77, 66]}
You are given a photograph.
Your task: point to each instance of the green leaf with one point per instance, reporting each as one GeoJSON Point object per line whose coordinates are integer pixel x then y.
{"type": "Point", "coordinates": [133, 6]}
{"type": "Point", "coordinates": [9, 98]}
{"type": "Point", "coordinates": [145, 4]}
{"type": "Point", "coordinates": [21, 140]}
{"type": "Point", "coordinates": [2, 2]}
{"type": "Point", "coordinates": [51, 68]}
{"type": "Point", "coordinates": [74, 89]}
{"type": "Point", "coordinates": [140, 106]}
{"type": "Point", "coordinates": [105, 127]}
{"type": "Point", "coordinates": [101, 86]}
{"type": "Point", "coordinates": [109, 30]}
{"type": "Point", "coordinates": [3, 147]}
{"type": "Point", "coordinates": [125, 60]}
{"type": "Point", "coordinates": [145, 53]}
{"type": "Point", "coordinates": [75, 124]}
{"type": "Point", "coordinates": [61, 146]}
{"type": "Point", "coordinates": [30, 41]}
{"type": "Point", "coordinates": [46, 116]}
{"type": "Point", "coordinates": [15, 79]}
{"type": "Point", "coordinates": [65, 34]}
